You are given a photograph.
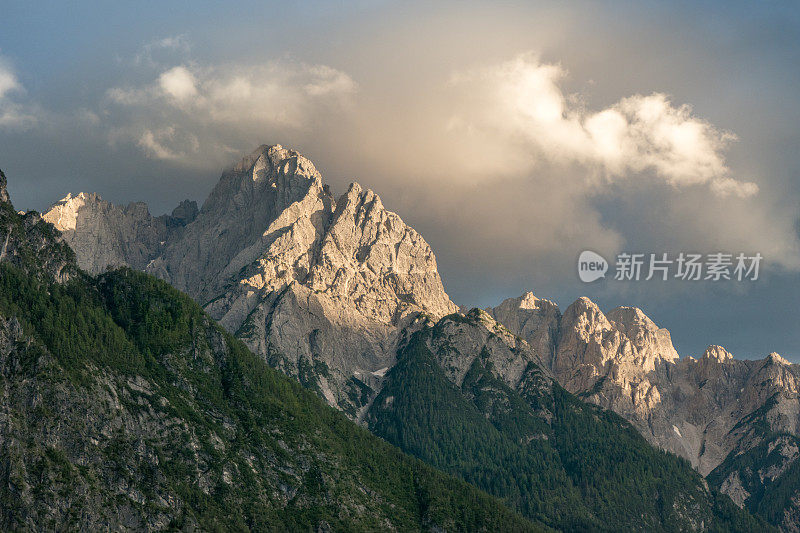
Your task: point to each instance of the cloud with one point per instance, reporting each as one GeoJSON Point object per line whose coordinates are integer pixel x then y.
{"type": "Point", "coordinates": [167, 143]}
{"type": "Point", "coordinates": [152, 52]}
{"type": "Point", "coordinates": [225, 102]}
{"type": "Point", "coordinates": [521, 102]}
{"type": "Point", "coordinates": [13, 114]}
{"type": "Point", "coordinates": [510, 176]}
{"type": "Point", "coordinates": [178, 83]}
{"type": "Point", "coordinates": [506, 173]}
{"type": "Point", "coordinates": [8, 81]}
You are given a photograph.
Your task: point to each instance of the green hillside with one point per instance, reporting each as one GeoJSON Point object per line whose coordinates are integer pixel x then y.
{"type": "Point", "coordinates": [125, 407]}
{"type": "Point", "coordinates": [549, 455]}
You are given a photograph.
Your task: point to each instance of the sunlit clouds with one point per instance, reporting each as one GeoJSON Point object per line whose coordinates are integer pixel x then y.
{"type": "Point", "coordinates": [189, 110]}
{"type": "Point", "coordinates": [520, 103]}
{"type": "Point", "coordinates": [495, 160]}
{"type": "Point", "coordinates": [13, 113]}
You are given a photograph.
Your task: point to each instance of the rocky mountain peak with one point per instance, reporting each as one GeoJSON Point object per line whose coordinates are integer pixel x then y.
{"type": "Point", "coordinates": [629, 317]}
{"type": "Point", "coordinates": [585, 318]}
{"type": "Point", "coordinates": [717, 354]}
{"type": "Point", "coordinates": [103, 234]}
{"type": "Point", "coordinates": [774, 357]}
{"type": "Point", "coordinates": [64, 213]}
{"type": "Point", "coordinates": [702, 409]}
{"type": "Point", "coordinates": [321, 288]}
{"type": "Point", "coordinates": [263, 183]}
{"type": "Point", "coordinates": [271, 198]}
{"type": "Point", "coordinates": [530, 301]}
{"type": "Point", "coordinates": [652, 342]}
{"type": "Point", "coordinates": [534, 319]}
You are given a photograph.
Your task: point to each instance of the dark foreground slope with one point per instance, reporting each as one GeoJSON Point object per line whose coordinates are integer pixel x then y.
{"type": "Point", "coordinates": [763, 474]}
{"type": "Point", "coordinates": [123, 406]}
{"type": "Point", "coordinates": [455, 400]}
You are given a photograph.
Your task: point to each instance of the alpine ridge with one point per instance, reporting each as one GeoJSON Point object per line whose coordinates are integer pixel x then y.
{"type": "Point", "coordinates": [712, 410]}
{"type": "Point", "coordinates": [125, 407]}
{"type": "Point", "coordinates": [333, 291]}
{"type": "Point", "coordinates": [321, 288]}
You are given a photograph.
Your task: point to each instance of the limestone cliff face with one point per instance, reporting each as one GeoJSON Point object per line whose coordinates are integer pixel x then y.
{"type": "Point", "coordinates": [106, 235]}
{"type": "Point", "coordinates": [623, 361]}
{"type": "Point", "coordinates": [326, 289]}
{"type": "Point", "coordinates": [320, 288]}
{"type": "Point", "coordinates": [704, 409]}
{"type": "Point", "coordinates": [534, 319]}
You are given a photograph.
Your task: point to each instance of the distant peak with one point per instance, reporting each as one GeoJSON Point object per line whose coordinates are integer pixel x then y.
{"type": "Point", "coordinates": [64, 213]}
{"type": "Point", "coordinates": [774, 357]}
{"type": "Point", "coordinates": [274, 152]}
{"type": "Point", "coordinates": [528, 301]}
{"type": "Point", "coordinates": [629, 316]}
{"type": "Point", "coordinates": [584, 305]}
{"type": "Point", "coordinates": [717, 353]}
{"type": "Point", "coordinates": [357, 195]}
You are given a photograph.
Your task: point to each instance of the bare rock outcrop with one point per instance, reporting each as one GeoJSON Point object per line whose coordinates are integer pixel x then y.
{"type": "Point", "coordinates": [534, 319]}
{"type": "Point", "coordinates": [3, 187]}
{"type": "Point", "coordinates": [320, 288]}
{"type": "Point", "coordinates": [623, 361]}
{"type": "Point", "coordinates": [105, 235]}
{"type": "Point", "coordinates": [709, 409]}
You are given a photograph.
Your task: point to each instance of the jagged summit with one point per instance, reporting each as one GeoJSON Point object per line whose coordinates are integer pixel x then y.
{"type": "Point", "coordinates": [105, 235]}
{"type": "Point", "coordinates": [717, 354]}
{"type": "Point", "coordinates": [308, 281]}
{"type": "Point", "coordinates": [249, 161]}
{"type": "Point", "coordinates": [776, 358]}
{"type": "Point", "coordinates": [629, 316]}
{"type": "Point", "coordinates": [623, 361]}
{"type": "Point", "coordinates": [534, 319]}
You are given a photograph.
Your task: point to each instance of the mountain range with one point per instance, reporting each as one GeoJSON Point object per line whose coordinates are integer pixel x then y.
{"type": "Point", "coordinates": [125, 407]}
{"type": "Point", "coordinates": [560, 416]}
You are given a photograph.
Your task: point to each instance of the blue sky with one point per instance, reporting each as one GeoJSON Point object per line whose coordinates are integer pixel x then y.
{"type": "Point", "coordinates": [512, 136]}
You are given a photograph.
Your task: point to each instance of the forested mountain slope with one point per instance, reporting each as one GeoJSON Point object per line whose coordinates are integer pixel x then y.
{"type": "Point", "coordinates": [123, 406]}
{"type": "Point", "coordinates": [470, 398]}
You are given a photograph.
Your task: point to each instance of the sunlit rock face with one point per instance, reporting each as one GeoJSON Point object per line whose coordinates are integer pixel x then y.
{"type": "Point", "coordinates": [321, 288]}
{"type": "Point", "coordinates": [103, 234]}
{"type": "Point", "coordinates": [709, 409]}
{"type": "Point", "coordinates": [534, 319]}
{"type": "Point", "coordinates": [326, 289]}
{"type": "Point", "coordinates": [623, 361]}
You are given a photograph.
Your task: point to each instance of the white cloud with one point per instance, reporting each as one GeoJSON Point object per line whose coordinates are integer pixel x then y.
{"type": "Point", "coordinates": [522, 101]}
{"type": "Point", "coordinates": [179, 83]}
{"type": "Point", "coordinates": [167, 143]}
{"type": "Point", "coordinates": [13, 114]}
{"type": "Point", "coordinates": [8, 81]}
{"type": "Point", "coordinates": [223, 102]}
{"type": "Point", "coordinates": [499, 164]}
{"type": "Point", "coordinates": [150, 52]}
{"type": "Point", "coordinates": [502, 168]}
